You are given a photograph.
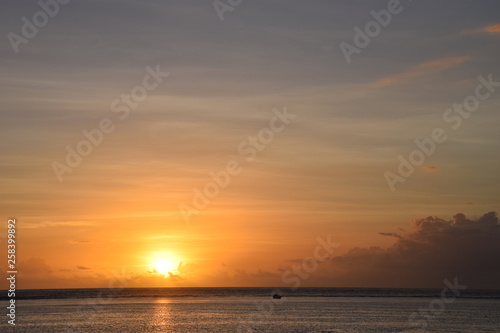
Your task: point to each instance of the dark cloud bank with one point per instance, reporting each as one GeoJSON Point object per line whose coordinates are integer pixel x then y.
{"type": "Point", "coordinates": [435, 250]}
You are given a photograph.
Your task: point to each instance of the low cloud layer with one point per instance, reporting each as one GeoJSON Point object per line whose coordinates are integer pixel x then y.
{"type": "Point", "coordinates": [436, 249]}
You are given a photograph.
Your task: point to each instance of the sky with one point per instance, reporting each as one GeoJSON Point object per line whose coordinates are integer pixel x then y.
{"type": "Point", "coordinates": [199, 143]}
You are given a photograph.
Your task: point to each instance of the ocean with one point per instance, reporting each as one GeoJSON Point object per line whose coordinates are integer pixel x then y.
{"type": "Point", "coordinates": [253, 310]}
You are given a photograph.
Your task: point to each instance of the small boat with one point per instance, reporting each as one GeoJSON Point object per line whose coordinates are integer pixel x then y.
{"type": "Point", "coordinates": [276, 296]}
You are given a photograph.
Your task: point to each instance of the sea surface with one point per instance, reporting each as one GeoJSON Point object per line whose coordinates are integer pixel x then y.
{"type": "Point", "coordinates": [253, 310]}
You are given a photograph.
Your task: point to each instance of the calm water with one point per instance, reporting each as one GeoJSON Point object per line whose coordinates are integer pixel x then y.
{"type": "Point", "coordinates": [251, 310]}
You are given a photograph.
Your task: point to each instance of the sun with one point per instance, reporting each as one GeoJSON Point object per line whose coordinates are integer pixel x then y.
{"type": "Point", "coordinates": [165, 265]}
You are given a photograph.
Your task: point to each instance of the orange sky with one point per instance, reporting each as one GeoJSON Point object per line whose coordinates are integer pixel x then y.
{"type": "Point", "coordinates": [318, 173]}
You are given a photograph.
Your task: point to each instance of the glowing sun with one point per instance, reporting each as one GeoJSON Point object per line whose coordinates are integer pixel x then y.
{"type": "Point", "coordinates": [165, 265]}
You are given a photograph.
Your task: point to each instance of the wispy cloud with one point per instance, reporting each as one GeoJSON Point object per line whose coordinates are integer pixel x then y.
{"type": "Point", "coordinates": [72, 241]}
{"type": "Point", "coordinates": [431, 168]}
{"type": "Point", "coordinates": [47, 224]}
{"type": "Point", "coordinates": [424, 69]}
{"type": "Point", "coordinates": [494, 29]}
{"type": "Point", "coordinates": [489, 29]}
{"type": "Point", "coordinates": [390, 234]}
{"type": "Point", "coordinates": [82, 267]}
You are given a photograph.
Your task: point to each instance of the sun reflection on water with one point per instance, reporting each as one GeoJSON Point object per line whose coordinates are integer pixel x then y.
{"type": "Point", "coordinates": [161, 319]}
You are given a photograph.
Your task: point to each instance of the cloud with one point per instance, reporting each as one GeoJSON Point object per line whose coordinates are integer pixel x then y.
{"type": "Point", "coordinates": [431, 168]}
{"type": "Point", "coordinates": [460, 219]}
{"type": "Point", "coordinates": [437, 249]}
{"type": "Point", "coordinates": [490, 29]}
{"type": "Point", "coordinates": [82, 267]}
{"type": "Point", "coordinates": [70, 224]}
{"type": "Point", "coordinates": [295, 261]}
{"type": "Point", "coordinates": [494, 29]}
{"type": "Point", "coordinates": [259, 274]}
{"type": "Point", "coordinates": [77, 241]}
{"type": "Point", "coordinates": [424, 69]}
{"type": "Point", "coordinates": [244, 278]}
{"type": "Point", "coordinates": [390, 234]}
{"type": "Point", "coordinates": [35, 273]}
{"type": "Point", "coordinates": [490, 218]}
{"type": "Point", "coordinates": [34, 266]}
